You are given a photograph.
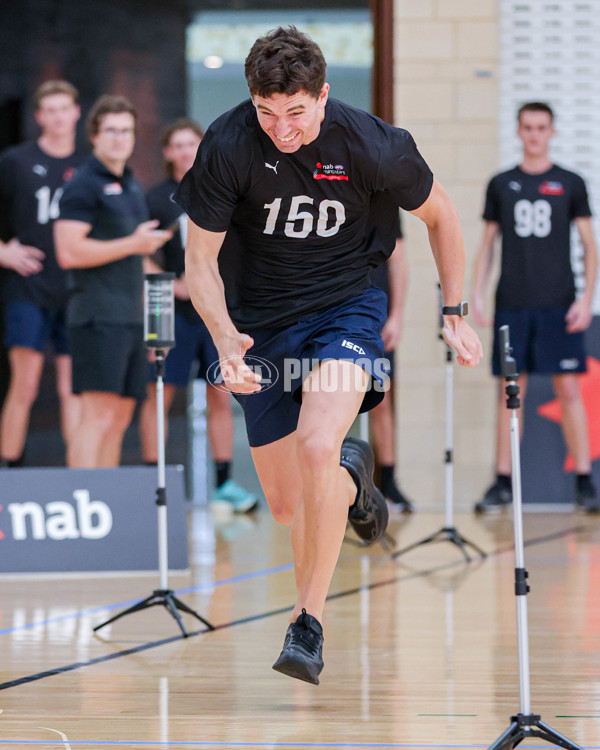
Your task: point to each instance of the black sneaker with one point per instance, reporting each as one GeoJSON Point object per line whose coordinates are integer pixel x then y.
{"type": "Point", "coordinates": [302, 653]}
{"type": "Point", "coordinates": [586, 498]}
{"type": "Point", "coordinates": [398, 501]}
{"type": "Point", "coordinates": [369, 514]}
{"type": "Point", "coordinates": [496, 498]}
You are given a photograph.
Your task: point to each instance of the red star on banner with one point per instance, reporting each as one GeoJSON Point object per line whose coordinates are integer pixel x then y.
{"type": "Point", "coordinates": [590, 392]}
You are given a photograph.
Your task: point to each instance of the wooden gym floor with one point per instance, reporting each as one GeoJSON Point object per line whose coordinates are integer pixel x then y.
{"type": "Point", "coordinates": [420, 651]}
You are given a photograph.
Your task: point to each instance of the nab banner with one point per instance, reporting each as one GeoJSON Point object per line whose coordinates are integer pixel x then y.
{"type": "Point", "coordinates": [59, 520]}
{"type": "Point", "coordinates": [548, 468]}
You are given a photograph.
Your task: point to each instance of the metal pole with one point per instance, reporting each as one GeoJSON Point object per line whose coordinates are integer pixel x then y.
{"type": "Point", "coordinates": [449, 458]}
{"type": "Point", "coordinates": [522, 626]}
{"type": "Point", "coordinates": [163, 561]}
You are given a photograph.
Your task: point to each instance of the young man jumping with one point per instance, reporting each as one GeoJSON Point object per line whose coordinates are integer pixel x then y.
{"type": "Point", "coordinates": [278, 264]}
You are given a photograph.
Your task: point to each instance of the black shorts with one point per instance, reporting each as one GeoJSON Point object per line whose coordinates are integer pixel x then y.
{"type": "Point", "coordinates": [350, 331]}
{"type": "Point", "coordinates": [109, 357]}
{"type": "Point", "coordinates": [540, 342]}
{"type": "Point", "coordinates": [30, 326]}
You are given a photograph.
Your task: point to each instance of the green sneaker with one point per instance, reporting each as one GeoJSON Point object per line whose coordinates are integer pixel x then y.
{"type": "Point", "coordinates": [242, 501]}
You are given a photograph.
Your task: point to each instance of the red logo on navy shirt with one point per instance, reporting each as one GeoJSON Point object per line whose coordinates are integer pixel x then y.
{"type": "Point", "coordinates": [551, 188]}
{"type": "Point", "coordinates": [330, 172]}
{"type": "Point", "coordinates": [69, 172]}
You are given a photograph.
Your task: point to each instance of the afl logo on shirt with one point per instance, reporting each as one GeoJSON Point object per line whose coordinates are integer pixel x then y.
{"type": "Point", "coordinates": [330, 172]}
{"type": "Point", "coordinates": [113, 188]}
{"type": "Point", "coordinates": [551, 188]}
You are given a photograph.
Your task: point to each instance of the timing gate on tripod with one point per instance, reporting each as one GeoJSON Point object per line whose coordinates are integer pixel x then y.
{"type": "Point", "coordinates": [525, 724]}
{"type": "Point", "coordinates": [159, 335]}
{"type": "Point", "coordinates": [448, 532]}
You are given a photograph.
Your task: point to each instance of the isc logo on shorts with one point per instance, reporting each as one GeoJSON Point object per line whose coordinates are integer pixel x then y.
{"type": "Point", "coordinates": [569, 364]}
{"type": "Point", "coordinates": [355, 347]}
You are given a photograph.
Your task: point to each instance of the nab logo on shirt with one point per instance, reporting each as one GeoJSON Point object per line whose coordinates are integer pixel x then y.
{"type": "Point", "coordinates": [551, 188]}
{"type": "Point", "coordinates": [329, 172]}
{"type": "Point", "coordinates": [113, 188]}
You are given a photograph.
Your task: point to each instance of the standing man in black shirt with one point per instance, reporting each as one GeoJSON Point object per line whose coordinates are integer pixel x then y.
{"type": "Point", "coordinates": [102, 232]}
{"type": "Point", "coordinates": [532, 207]}
{"type": "Point", "coordinates": [392, 277]}
{"type": "Point", "coordinates": [32, 176]}
{"type": "Point", "coordinates": [278, 263]}
{"type": "Point", "coordinates": [193, 343]}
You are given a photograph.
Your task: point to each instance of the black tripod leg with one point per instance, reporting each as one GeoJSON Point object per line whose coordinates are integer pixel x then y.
{"type": "Point", "coordinates": [556, 738]}
{"type": "Point", "coordinates": [459, 542]}
{"type": "Point", "coordinates": [427, 540]}
{"type": "Point", "coordinates": [170, 605]}
{"type": "Point", "coordinates": [509, 739]}
{"type": "Point", "coordinates": [184, 608]}
{"type": "Point", "coordinates": [147, 602]}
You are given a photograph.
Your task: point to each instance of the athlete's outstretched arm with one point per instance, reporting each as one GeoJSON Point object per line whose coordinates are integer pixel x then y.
{"type": "Point", "coordinates": [445, 238]}
{"type": "Point", "coordinates": [208, 296]}
{"type": "Point", "coordinates": [579, 315]}
{"type": "Point", "coordinates": [481, 272]}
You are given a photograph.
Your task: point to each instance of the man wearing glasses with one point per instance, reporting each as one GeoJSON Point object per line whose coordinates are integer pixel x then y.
{"type": "Point", "coordinates": [101, 235]}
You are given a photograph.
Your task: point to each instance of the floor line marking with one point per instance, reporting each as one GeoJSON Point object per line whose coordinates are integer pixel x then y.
{"type": "Point", "coordinates": [124, 605]}
{"type": "Point", "coordinates": [263, 615]}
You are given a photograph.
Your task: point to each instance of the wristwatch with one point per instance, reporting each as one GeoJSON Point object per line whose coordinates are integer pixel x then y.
{"type": "Point", "coordinates": [462, 309]}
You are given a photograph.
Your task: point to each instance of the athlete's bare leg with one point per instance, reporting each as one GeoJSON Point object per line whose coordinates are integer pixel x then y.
{"type": "Point", "coordinates": [574, 420]}
{"type": "Point", "coordinates": [381, 420]}
{"type": "Point", "coordinates": [97, 440]}
{"type": "Point", "coordinates": [305, 484]}
{"type": "Point", "coordinates": [148, 424]}
{"type": "Point", "coordinates": [219, 423]}
{"type": "Point", "coordinates": [503, 455]}
{"type": "Point", "coordinates": [25, 372]}
{"type": "Point", "coordinates": [70, 404]}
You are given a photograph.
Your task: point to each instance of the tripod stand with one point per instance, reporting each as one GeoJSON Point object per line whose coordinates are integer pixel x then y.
{"type": "Point", "coordinates": [159, 335]}
{"type": "Point", "coordinates": [163, 595]}
{"type": "Point", "coordinates": [448, 532]}
{"type": "Point", "coordinates": [525, 723]}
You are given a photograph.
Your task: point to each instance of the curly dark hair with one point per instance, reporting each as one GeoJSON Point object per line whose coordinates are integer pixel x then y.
{"type": "Point", "coordinates": [285, 61]}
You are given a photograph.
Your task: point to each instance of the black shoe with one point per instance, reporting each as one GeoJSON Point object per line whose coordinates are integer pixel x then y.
{"type": "Point", "coordinates": [397, 500]}
{"type": "Point", "coordinates": [302, 653]}
{"type": "Point", "coordinates": [586, 498]}
{"type": "Point", "coordinates": [369, 514]}
{"type": "Point", "coordinates": [496, 498]}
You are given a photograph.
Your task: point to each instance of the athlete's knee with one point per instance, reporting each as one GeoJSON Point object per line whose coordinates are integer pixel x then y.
{"type": "Point", "coordinates": [24, 388]}
{"type": "Point", "coordinates": [317, 450]}
{"type": "Point", "coordinates": [282, 506]}
{"type": "Point", "coordinates": [567, 389]}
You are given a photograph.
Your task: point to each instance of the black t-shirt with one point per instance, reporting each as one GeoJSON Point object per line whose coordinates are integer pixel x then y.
{"type": "Point", "coordinates": [534, 213]}
{"type": "Point", "coordinates": [31, 184]}
{"type": "Point", "coordinates": [297, 224]}
{"type": "Point", "coordinates": [114, 206]}
{"type": "Point", "coordinates": [386, 220]}
{"type": "Point", "coordinates": [171, 256]}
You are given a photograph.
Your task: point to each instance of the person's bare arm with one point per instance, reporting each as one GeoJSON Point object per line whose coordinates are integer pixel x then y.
{"type": "Point", "coordinates": [445, 238]}
{"type": "Point", "coordinates": [208, 296]}
{"type": "Point", "coordinates": [481, 272]}
{"type": "Point", "coordinates": [74, 249]}
{"type": "Point", "coordinates": [24, 259]}
{"type": "Point", "coordinates": [398, 276]}
{"type": "Point", "coordinates": [579, 315]}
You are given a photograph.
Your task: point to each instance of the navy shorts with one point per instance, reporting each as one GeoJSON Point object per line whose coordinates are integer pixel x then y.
{"type": "Point", "coordinates": [540, 342]}
{"type": "Point", "coordinates": [350, 331]}
{"type": "Point", "coordinates": [109, 357]}
{"type": "Point", "coordinates": [193, 343]}
{"type": "Point", "coordinates": [30, 326]}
